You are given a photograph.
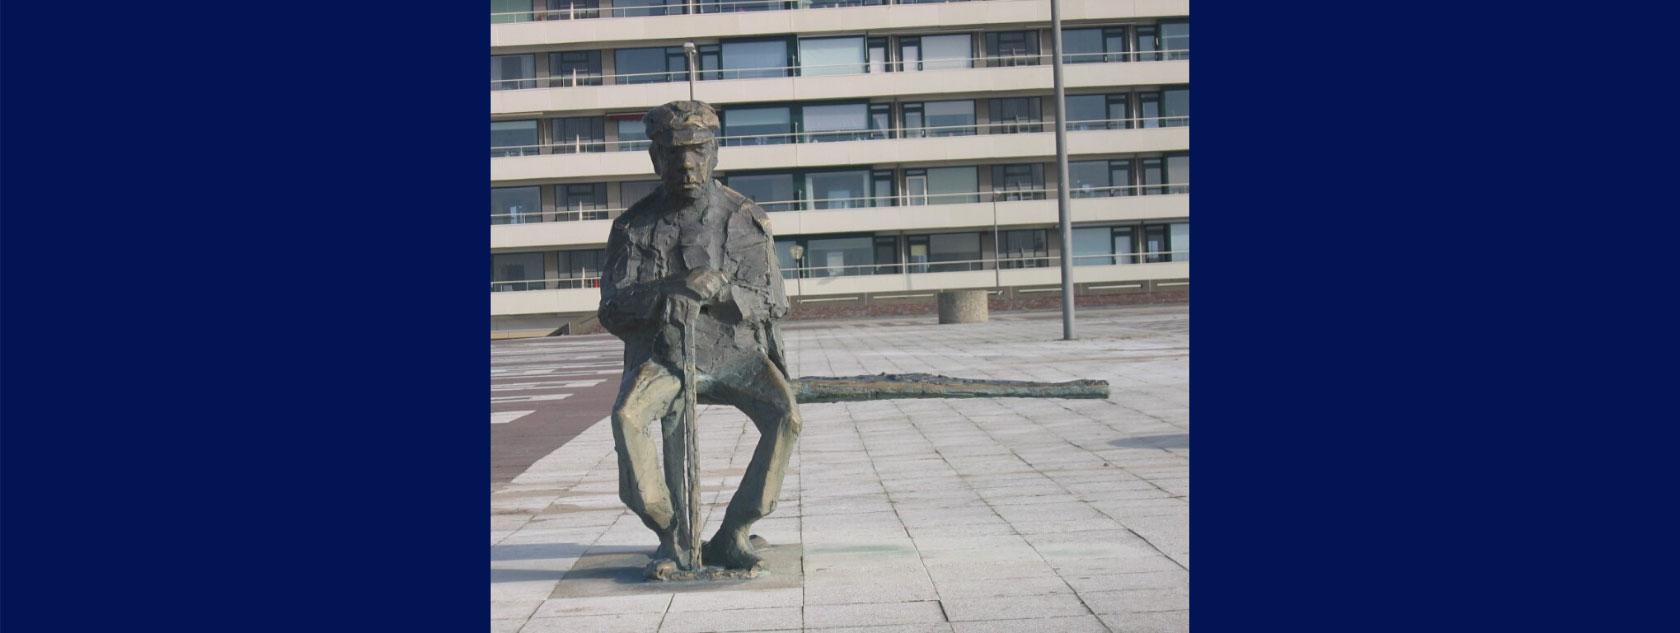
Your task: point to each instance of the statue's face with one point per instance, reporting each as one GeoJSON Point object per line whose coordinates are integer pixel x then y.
{"type": "Point", "coordinates": [684, 169]}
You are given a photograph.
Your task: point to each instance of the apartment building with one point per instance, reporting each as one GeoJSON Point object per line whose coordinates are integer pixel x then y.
{"type": "Point", "coordinates": [901, 147]}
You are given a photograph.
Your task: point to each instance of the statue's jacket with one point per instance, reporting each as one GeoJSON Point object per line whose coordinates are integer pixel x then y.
{"type": "Point", "coordinates": [651, 249]}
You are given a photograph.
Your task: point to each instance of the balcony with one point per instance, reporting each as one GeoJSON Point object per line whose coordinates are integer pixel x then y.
{"type": "Point", "coordinates": [511, 31]}
{"type": "Point", "coordinates": [1034, 271]}
{"type": "Point", "coordinates": [984, 74]}
{"type": "Point", "coordinates": [596, 160]}
{"type": "Point", "coordinates": [900, 213]}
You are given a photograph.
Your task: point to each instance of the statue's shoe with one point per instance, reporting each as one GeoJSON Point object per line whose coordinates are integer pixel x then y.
{"type": "Point", "coordinates": [731, 553]}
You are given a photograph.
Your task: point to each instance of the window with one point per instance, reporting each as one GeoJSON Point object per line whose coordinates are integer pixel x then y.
{"type": "Point", "coordinates": [1028, 248]}
{"type": "Point", "coordinates": [740, 6]}
{"type": "Point", "coordinates": [836, 122]}
{"type": "Point", "coordinates": [516, 271]}
{"type": "Point", "coordinates": [1016, 115]}
{"type": "Point", "coordinates": [1012, 48]}
{"type": "Point", "coordinates": [515, 205]}
{"type": "Point", "coordinates": [880, 120]}
{"type": "Point", "coordinates": [1148, 44]}
{"type": "Point", "coordinates": [1018, 182]}
{"type": "Point", "coordinates": [774, 192]}
{"type": "Point", "coordinates": [505, 11]}
{"type": "Point", "coordinates": [1175, 38]}
{"type": "Point", "coordinates": [878, 60]}
{"type": "Point", "coordinates": [1166, 175]}
{"type": "Point", "coordinates": [629, 193]}
{"type": "Point", "coordinates": [1154, 175]}
{"type": "Point", "coordinates": [1091, 46]}
{"type": "Point", "coordinates": [580, 269]}
{"type": "Point", "coordinates": [944, 252]}
{"type": "Point", "coordinates": [583, 201]}
{"type": "Point", "coordinates": [945, 118]}
{"type": "Point", "coordinates": [946, 52]}
{"type": "Point", "coordinates": [573, 9]}
{"type": "Point", "coordinates": [513, 72]}
{"type": "Point", "coordinates": [942, 185]}
{"type": "Point", "coordinates": [1164, 108]}
{"type": "Point", "coordinates": [886, 255]}
{"type": "Point", "coordinates": [636, 8]}
{"type": "Point", "coordinates": [1156, 248]}
{"type": "Point", "coordinates": [762, 126]}
{"type": "Point", "coordinates": [884, 189]}
{"type": "Point", "coordinates": [1175, 107]}
{"type": "Point", "coordinates": [1098, 112]}
{"type": "Point", "coordinates": [513, 138]}
{"type": "Point", "coordinates": [650, 65]}
{"type": "Point", "coordinates": [1089, 179]}
{"type": "Point", "coordinates": [1100, 178]}
{"type": "Point", "coordinates": [755, 59]}
{"type": "Point", "coordinates": [838, 189]}
{"type": "Point", "coordinates": [839, 257]}
{"type": "Point", "coordinates": [1082, 46]}
{"type": "Point", "coordinates": [632, 133]}
{"type": "Point", "coordinates": [1178, 173]}
{"type": "Point", "coordinates": [574, 68]}
{"type": "Point", "coordinates": [1093, 246]}
{"type": "Point", "coordinates": [831, 56]}
{"type": "Point", "coordinates": [579, 135]}
{"type": "Point", "coordinates": [1178, 239]}
{"type": "Point", "coordinates": [935, 52]}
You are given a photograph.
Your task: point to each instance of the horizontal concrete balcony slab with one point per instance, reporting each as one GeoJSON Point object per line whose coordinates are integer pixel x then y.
{"type": "Point", "coordinates": [973, 148]}
{"type": "Point", "coordinates": [928, 218]}
{"type": "Point", "coordinates": [611, 31]}
{"type": "Point", "coordinates": [905, 85]}
{"type": "Point", "coordinates": [573, 301]}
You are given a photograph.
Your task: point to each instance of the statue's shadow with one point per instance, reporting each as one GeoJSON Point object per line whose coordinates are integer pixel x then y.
{"type": "Point", "coordinates": [605, 571]}
{"type": "Point", "coordinates": [1173, 440]}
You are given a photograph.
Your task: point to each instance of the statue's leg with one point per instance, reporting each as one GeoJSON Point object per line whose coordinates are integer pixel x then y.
{"type": "Point", "coordinates": [759, 390]}
{"type": "Point", "coordinates": [648, 392]}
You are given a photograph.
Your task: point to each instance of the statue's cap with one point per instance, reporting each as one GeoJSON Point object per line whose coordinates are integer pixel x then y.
{"type": "Point", "coordinates": [681, 123]}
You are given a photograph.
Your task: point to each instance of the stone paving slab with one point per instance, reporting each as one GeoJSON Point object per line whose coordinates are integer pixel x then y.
{"type": "Point", "coordinates": [908, 516]}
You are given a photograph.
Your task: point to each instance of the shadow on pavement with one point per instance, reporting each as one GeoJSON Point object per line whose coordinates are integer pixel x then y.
{"type": "Point", "coordinates": [1175, 440]}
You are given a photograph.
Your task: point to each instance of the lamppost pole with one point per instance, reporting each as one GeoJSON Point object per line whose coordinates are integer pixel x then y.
{"type": "Point", "coordinates": [1063, 208]}
{"type": "Point", "coordinates": [693, 67]}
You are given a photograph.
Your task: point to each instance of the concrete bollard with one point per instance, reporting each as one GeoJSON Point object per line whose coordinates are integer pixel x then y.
{"type": "Point", "coordinates": [963, 306]}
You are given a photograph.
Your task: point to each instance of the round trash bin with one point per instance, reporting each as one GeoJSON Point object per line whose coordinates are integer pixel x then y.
{"type": "Point", "coordinates": [963, 306]}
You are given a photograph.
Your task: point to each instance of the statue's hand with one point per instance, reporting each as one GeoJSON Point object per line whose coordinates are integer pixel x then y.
{"type": "Point", "coordinates": [705, 284]}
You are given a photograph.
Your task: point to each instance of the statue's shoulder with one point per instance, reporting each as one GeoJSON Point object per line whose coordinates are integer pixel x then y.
{"type": "Point", "coordinates": [745, 206]}
{"type": "Point", "coordinates": [638, 212]}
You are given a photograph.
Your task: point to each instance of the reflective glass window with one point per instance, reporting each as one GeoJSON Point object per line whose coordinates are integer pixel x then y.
{"type": "Point", "coordinates": [754, 59]}
{"type": "Point", "coordinates": [513, 72]}
{"type": "Point", "coordinates": [515, 205]}
{"type": "Point", "coordinates": [773, 192]}
{"type": "Point", "coordinates": [516, 271]}
{"type": "Point", "coordinates": [838, 189]}
{"type": "Point", "coordinates": [765, 126]}
{"type": "Point", "coordinates": [831, 56]}
{"type": "Point", "coordinates": [850, 121]}
{"type": "Point", "coordinates": [513, 138]}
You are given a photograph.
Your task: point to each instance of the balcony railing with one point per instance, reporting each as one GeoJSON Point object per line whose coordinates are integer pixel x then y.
{"type": "Point", "coordinates": [592, 279]}
{"type": "Point", "coordinates": [829, 70]}
{"type": "Point", "coordinates": [1020, 126]}
{"type": "Point", "coordinates": [702, 7]}
{"type": "Point", "coordinates": [999, 262]}
{"type": "Point", "coordinates": [925, 199]}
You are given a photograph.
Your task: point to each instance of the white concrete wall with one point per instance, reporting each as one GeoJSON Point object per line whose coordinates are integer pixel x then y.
{"type": "Point", "coordinates": [939, 217]}
{"type": "Point", "coordinates": [971, 149]}
{"type": "Point", "coordinates": [604, 32]}
{"type": "Point", "coordinates": [906, 86]}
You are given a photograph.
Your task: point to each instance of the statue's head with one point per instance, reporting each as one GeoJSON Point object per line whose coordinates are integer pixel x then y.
{"type": "Point", "coordinates": [684, 149]}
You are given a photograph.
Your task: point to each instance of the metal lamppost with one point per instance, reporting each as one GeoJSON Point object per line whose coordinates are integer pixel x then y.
{"type": "Point", "coordinates": [1063, 207]}
{"type": "Point", "coordinates": [797, 252]}
{"type": "Point", "coordinates": [693, 67]}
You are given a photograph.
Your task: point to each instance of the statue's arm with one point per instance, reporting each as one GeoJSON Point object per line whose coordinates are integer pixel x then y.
{"type": "Point", "coordinates": [757, 291]}
{"type": "Point", "coordinates": [626, 305]}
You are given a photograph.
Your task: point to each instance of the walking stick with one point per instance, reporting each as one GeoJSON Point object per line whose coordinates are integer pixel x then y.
{"type": "Point", "coordinates": [690, 535]}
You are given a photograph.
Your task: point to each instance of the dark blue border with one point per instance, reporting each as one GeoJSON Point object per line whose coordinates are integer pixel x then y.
{"type": "Point", "coordinates": [244, 317]}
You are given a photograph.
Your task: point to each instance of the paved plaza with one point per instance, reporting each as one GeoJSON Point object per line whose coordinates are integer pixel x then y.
{"type": "Point", "coordinates": [902, 515]}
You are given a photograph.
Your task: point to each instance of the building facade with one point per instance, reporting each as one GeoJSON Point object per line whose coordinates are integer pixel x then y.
{"type": "Point", "coordinates": [901, 146]}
